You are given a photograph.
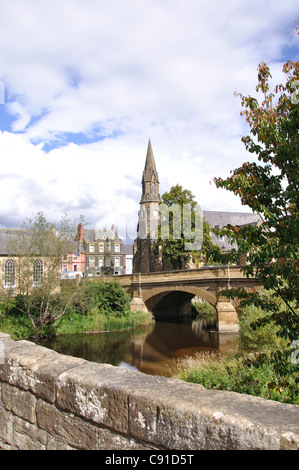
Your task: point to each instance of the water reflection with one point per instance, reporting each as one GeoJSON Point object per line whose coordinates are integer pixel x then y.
{"type": "Point", "coordinates": [153, 350]}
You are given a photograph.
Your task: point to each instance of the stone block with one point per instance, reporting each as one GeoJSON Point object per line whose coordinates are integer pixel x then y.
{"type": "Point", "coordinates": [20, 355]}
{"type": "Point", "coordinates": [66, 427]}
{"type": "Point", "coordinates": [158, 412]}
{"type": "Point", "coordinates": [44, 373]}
{"type": "Point", "coordinates": [28, 436]}
{"type": "Point", "coordinates": [20, 402]}
{"type": "Point", "coordinates": [95, 392]}
{"type": "Point", "coordinates": [109, 440]}
{"type": "Point", "coordinates": [6, 426]}
{"type": "Point", "coordinates": [35, 368]}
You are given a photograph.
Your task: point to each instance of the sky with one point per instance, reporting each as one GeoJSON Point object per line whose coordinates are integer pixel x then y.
{"type": "Point", "coordinates": [84, 85]}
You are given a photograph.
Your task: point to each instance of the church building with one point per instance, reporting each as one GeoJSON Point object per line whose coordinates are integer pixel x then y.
{"type": "Point", "coordinates": [145, 258]}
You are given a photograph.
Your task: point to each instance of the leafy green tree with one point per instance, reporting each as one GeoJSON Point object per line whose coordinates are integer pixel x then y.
{"type": "Point", "coordinates": [269, 186]}
{"type": "Point", "coordinates": [173, 239]}
{"type": "Point", "coordinates": [37, 250]}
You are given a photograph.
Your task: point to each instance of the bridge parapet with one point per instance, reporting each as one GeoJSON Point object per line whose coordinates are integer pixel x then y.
{"type": "Point", "coordinates": [146, 289]}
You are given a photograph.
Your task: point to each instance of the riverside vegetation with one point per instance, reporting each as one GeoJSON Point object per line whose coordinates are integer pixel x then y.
{"type": "Point", "coordinates": [92, 307]}
{"type": "Point", "coordinates": [251, 370]}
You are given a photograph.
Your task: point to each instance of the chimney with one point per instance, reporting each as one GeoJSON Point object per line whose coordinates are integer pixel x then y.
{"type": "Point", "coordinates": [113, 228]}
{"type": "Point", "coordinates": [80, 232]}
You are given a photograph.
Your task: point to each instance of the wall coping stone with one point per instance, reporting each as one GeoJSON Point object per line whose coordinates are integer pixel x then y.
{"type": "Point", "coordinates": [157, 411]}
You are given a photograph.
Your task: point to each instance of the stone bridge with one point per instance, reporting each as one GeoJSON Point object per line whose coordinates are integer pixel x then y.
{"type": "Point", "coordinates": [169, 294]}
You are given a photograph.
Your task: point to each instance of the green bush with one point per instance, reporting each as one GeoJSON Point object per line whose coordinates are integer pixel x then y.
{"type": "Point", "coordinates": [265, 338]}
{"type": "Point", "coordinates": [110, 298]}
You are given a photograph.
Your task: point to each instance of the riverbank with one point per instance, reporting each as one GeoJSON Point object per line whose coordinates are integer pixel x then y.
{"type": "Point", "coordinates": [262, 365]}
{"type": "Point", "coordinates": [19, 327]}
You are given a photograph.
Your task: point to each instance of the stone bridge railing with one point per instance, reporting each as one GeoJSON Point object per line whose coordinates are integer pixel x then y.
{"type": "Point", "coordinates": [51, 401]}
{"type": "Point", "coordinates": [206, 282]}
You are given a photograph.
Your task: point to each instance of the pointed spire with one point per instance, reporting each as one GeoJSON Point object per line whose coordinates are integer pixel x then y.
{"type": "Point", "coordinates": [150, 166]}
{"type": "Point", "coordinates": [150, 178]}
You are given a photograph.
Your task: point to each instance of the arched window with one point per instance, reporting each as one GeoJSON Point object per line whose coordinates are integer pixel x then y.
{"type": "Point", "coordinates": [38, 272]}
{"type": "Point", "coordinates": [10, 273]}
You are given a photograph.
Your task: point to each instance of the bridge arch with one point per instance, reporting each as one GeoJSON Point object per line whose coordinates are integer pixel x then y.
{"type": "Point", "coordinates": [210, 297]}
{"type": "Point", "coordinates": [174, 301]}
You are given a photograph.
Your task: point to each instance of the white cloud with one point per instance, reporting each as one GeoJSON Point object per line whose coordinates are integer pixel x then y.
{"type": "Point", "coordinates": [126, 71]}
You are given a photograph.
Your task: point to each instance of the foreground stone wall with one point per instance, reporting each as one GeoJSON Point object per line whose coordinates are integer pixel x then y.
{"type": "Point", "coordinates": [51, 401]}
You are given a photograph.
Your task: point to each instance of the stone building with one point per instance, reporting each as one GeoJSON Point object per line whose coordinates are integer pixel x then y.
{"type": "Point", "coordinates": [103, 251]}
{"type": "Point", "coordinates": [145, 257]}
{"type": "Point", "coordinates": [23, 264]}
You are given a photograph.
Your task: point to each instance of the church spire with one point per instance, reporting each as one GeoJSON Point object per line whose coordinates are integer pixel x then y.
{"type": "Point", "coordinates": [145, 258]}
{"type": "Point", "coordinates": [150, 166]}
{"type": "Point", "coordinates": [150, 178]}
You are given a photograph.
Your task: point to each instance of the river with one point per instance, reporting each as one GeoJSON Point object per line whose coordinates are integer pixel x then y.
{"type": "Point", "coordinates": [157, 349]}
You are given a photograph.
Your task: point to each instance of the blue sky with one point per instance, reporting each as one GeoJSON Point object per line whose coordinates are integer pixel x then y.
{"type": "Point", "coordinates": [87, 83]}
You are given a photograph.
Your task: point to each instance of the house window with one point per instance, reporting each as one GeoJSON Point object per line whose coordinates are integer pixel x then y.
{"type": "Point", "coordinates": [91, 248]}
{"type": "Point", "coordinates": [38, 272]}
{"type": "Point", "coordinates": [108, 246]}
{"type": "Point", "coordinates": [91, 261]}
{"type": "Point", "coordinates": [101, 247]}
{"type": "Point", "coordinates": [117, 248]}
{"type": "Point", "coordinates": [10, 273]}
{"type": "Point", "coordinates": [108, 262]}
{"type": "Point", "coordinates": [117, 262]}
{"type": "Point", "coordinates": [101, 262]}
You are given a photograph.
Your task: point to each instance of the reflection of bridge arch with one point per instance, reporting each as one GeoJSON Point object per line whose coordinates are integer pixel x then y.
{"type": "Point", "coordinates": [152, 296]}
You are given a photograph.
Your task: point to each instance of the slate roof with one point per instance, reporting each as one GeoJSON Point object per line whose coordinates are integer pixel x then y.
{"type": "Point", "coordinates": [234, 218]}
{"type": "Point", "coordinates": [220, 219]}
{"type": "Point", "coordinates": [7, 236]}
{"type": "Point", "coordinates": [100, 234]}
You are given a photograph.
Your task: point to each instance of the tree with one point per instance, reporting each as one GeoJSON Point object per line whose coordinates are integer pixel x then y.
{"type": "Point", "coordinates": [184, 223]}
{"type": "Point", "coordinates": [269, 186]}
{"type": "Point", "coordinates": [36, 252]}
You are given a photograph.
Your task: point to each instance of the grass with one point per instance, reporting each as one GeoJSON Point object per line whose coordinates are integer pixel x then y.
{"type": "Point", "coordinates": [95, 321]}
{"type": "Point", "coordinates": [232, 375]}
{"type": "Point", "coordinates": [19, 327]}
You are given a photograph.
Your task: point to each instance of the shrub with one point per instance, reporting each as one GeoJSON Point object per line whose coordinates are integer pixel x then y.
{"type": "Point", "coordinates": [265, 338]}
{"type": "Point", "coordinates": [110, 298]}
